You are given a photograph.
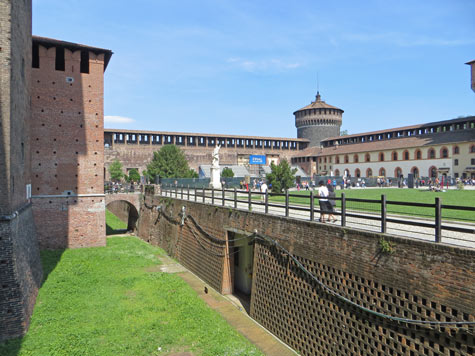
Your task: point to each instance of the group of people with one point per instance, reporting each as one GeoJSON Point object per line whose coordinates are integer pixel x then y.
{"type": "Point", "coordinates": [326, 200]}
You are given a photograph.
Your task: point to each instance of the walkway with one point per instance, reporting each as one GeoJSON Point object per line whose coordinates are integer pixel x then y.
{"type": "Point", "coordinates": [231, 311]}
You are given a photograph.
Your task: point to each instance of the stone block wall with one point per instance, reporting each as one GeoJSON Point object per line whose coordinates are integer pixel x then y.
{"type": "Point", "coordinates": [418, 280]}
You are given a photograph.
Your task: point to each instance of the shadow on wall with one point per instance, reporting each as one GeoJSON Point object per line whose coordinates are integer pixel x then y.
{"type": "Point", "coordinates": [121, 216]}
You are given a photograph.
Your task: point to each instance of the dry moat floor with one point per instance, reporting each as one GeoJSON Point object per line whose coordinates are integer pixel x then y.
{"type": "Point", "coordinates": [114, 301]}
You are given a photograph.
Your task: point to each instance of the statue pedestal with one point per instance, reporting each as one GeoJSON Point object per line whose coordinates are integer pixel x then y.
{"type": "Point", "coordinates": [215, 182]}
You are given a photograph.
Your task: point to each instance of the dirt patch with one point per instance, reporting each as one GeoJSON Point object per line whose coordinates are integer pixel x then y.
{"type": "Point", "coordinates": [153, 269]}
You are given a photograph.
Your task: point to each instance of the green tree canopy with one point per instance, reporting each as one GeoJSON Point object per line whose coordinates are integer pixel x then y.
{"type": "Point", "coordinates": [134, 175]}
{"type": "Point", "coordinates": [170, 162]}
{"type": "Point", "coordinates": [281, 176]}
{"type": "Point", "coordinates": [115, 170]}
{"type": "Point", "coordinates": [227, 173]}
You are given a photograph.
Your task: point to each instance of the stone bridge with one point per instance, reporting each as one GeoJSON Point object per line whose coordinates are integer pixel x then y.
{"type": "Point", "coordinates": [125, 206]}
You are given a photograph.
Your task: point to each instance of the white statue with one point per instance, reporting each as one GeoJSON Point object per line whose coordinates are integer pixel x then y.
{"type": "Point", "coordinates": [216, 155]}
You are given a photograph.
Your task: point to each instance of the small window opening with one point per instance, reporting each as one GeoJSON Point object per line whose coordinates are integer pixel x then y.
{"type": "Point", "coordinates": [84, 62]}
{"type": "Point", "coordinates": [59, 64]}
{"type": "Point", "coordinates": [36, 56]}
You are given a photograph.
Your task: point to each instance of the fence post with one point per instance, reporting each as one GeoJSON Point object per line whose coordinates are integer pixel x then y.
{"type": "Point", "coordinates": [212, 195]}
{"type": "Point", "coordinates": [286, 203]}
{"type": "Point", "coordinates": [266, 200]}
{"type": "Point", "coordinates": [194, 192]}
{"type": "Point", "coordinates": [249, 203]}
{"type": "Point", "coordinates": [235, 198]}
{"type": "Point", "coordinates": [181, 192]}
{"type": "Point", "coordinates": [223, 195]}
{"type": "Point", "coordinates": [188, 192]}
{"type": "Point", "coordinates": [204, 198]}
{"type": "Point", "coordinates": [343, 209]}
{"type": "Point", "coordinates": [176, 191]}
{"type": "Point", "coordinates": [312, 206]}
{"type": "Point", "coordinates": [438, 219]}
{"type": "Point", "coordinates": [383, 213]}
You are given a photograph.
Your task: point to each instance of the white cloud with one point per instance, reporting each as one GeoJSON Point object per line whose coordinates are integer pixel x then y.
{"type": "Point", "coordinates": [118, 120]}
{"type": "Point", "coordinates": [263, 64]}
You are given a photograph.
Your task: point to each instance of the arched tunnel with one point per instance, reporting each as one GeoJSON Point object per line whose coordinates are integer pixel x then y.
{"type": "Point", "coordinates": [126, 212]}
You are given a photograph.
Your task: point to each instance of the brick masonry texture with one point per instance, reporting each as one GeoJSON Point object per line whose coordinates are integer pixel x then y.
{"type": "Point", "coordinates": [419, 280]}
{"type": "Point", "coordinates": [67, 150]}
{"type": "Point", "coordinates": [20, 274]}
{"type": "Point", "coordinates": [20, 265]}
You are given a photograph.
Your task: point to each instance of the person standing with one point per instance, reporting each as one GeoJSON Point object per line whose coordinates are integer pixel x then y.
{"type": "Point", "coordinates": [331, 203]}
{"type": "Point", "coordinates": [323, 200]}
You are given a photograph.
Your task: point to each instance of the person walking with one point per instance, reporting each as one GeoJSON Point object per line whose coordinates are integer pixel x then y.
{"type": "Point", "coordinates": [331, 203]}
{"type": "Point", "coordinates": [323, 200]}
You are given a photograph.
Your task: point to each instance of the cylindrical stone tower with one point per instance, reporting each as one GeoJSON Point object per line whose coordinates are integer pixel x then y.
{"type": "Point", "coordinates": [318, 121]}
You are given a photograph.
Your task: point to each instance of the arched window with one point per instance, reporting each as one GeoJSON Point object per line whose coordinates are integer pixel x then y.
{"type": "Point", "coordinates": [347, 172]}
{"type": "Point", "coordinates": [444, 152]}
{"type": "Point", "coordinates": [418, 154]}
{"type": "Point", "coordinates": [415, 172]}
{"type": "Point", "coordinates": [394, 156]}
{"type": "Point", "coordinates": [456, 150]}
{"type": "Point", "coordinates": [433, 172]}
{"type": "Point", "coordinates": [369, 172]}
{"type": "Point", "coordinates": [337, 172]}
{"type": "Point", "coordinates": [381, 156]}
{"type": "Point", "coordinates": [337, 160]}
{"type": "Point", "coordinates": [357, 173]}
{"type": "Point", "coordinates": [472, 149]}
{"type": "Point", "coordinates": [382, 172]}
{"type": "Point", "coordinates": [405, 155]}
{"type": "Point", "coordinates": [355, 158]}
{"type": "Point", "coordinates": [397, 172]}
{"type": "Point", "coordinates": [431, 153]}
{"type": "Point", "coordinates": [367, 158]}
{"type": "Point", "coordinates": [346, 159]}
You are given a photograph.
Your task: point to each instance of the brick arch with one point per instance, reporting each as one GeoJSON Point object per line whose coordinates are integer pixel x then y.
{"type": "Point", "coordinates": [431, 152]}
{"type": "Point", "coordinates": [369, 172]}
{"type": "Point", "coordinates": [471, 149]}
{"type": "Point", "coordinates": [432, 173]}
{"type": "Point", "coordinates": [444, 150]}
{"type": "Point", "coordinates": [382, 172]}
{"type": "Point", "coordinates": [405, 155]}
{"type": "Point", "coordinates": [132, 203]}
{"type": "Point", "coordinates": [415, 171]}
{"type": "Point", "coordinates": [397, 172]}
{"type": "Point", "coordinates": [337, 172]}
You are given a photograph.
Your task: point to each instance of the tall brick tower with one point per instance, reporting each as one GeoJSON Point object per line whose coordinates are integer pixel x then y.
{"type": "Point", "coordinates": [67, 143]}
{"type": "Point", "coordinates": [20, 265]}
{"type": "Point", "coordinates": [318, 121]}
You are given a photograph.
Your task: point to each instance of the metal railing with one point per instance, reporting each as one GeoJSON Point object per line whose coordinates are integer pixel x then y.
{"type": "Point", "coordinates": [370, 214]}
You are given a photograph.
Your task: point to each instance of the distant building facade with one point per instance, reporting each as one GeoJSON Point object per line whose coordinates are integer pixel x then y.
{"type": "Point", "coordinates": [445, 148]}
{"type": "Point", "coordinates": [134, 149]}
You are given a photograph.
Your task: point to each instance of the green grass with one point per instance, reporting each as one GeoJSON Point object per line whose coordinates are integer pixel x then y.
{"type": "Point", "coordinates": [451, 197]}
{"type": "Point", "coordinates": [113, 301]}
{"type": "Point", "coordinates": [113, 224]}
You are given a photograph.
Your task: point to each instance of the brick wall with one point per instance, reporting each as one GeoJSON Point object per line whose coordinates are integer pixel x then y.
{"type": "Point", "coordinates": [20, 266]}
{"type": "Point", "coordinates": [418, 280]}
{"type": "Point", "coordinates": [67, 149]}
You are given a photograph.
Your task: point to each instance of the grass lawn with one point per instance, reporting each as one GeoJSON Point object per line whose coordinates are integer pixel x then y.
{"type": "Point", "coordinates": [113, 224]}
{"type": "Point", "coordinates": [113, 301]}
{"type": "Point", "coordinates": [451, 197]}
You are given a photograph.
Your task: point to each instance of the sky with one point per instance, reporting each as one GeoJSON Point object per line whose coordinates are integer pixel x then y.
{"type": "Point", "coordinates": [242, 67]}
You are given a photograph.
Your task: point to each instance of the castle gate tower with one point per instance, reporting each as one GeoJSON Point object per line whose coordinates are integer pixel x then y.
{"type": "Point", "coordinates": [318, 121]}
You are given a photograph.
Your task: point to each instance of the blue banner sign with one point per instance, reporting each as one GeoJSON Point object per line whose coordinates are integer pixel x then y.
{"type": "Point", "coordinates": [257, 159]}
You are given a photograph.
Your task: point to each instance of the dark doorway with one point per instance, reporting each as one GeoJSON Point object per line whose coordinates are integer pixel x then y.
{"type": "Point", "coordinates": [242, 263]}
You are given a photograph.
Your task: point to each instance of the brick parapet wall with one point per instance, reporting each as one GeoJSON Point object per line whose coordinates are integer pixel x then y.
{"type": "Point", "coordinates": [418, 280]}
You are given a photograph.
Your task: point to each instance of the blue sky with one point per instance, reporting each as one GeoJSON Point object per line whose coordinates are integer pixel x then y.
{"type": "Point", "coordinates": [243, 67]}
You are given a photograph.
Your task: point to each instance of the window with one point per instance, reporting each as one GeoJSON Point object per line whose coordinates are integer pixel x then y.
{"type": "Point", "coordinates": [472, 161]}
{"type": "Point", "coordinates": [346, 159]}
{"type": "Point", "coordinates": [456, 150]}
{"type": "Point", "coordinates": [444, 153]}
{"type": "Point", "coordinates": [431, 154]}
{"type": "Point", "coordinates": [337, 172]}
{"type": "Point", "coordinates": [456, 162]}
{"type": "Point", "coordinates": [472, 149]}
{"type": "Point", "coordinates": [394, 156]}
{"type": "Point", "coordinates": [367, 157]}
{"type": "Point", "coordinates": [355, 159]}
{"type": "Point", "coordinates": [357, 173]}
{"type": "Point", "coordinates": [59, 61]}
{"type": "Point", "coordinates": [418, 154]}
{"type": "Point", "coordinates": [382, 172]}
{"type": "Point", "coordinates": [36, 56]}
{"type": "Point", "coordinates": [433, 172]}
{"type": "Point", "coordinates": [381, 157]}
{"type": "Point", "coordinates": [84, 64]}
{"type": "Point", "coordinates": [415, 172]}
{"type": "Point", "coordinates": [397, 172]}
{"type": "Point", "coordinates": [406, 155]}
{"type": "Point", "coordinates": [337, 160]}
{"type": "Point", "coordinates": [369, 172]}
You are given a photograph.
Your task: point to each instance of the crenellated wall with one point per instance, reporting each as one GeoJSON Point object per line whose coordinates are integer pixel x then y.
{"type": "Point", "coordinates": [416, 280]}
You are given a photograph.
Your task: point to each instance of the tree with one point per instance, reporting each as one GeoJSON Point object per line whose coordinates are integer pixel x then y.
{"type": "Point", "coordinates": [134, 175]}
{"type": "Point", "coordinates": [227, 173]}
{"type": "Point", "coordinates": [170, 162]}
{"type": "Point", "coordinates": [281, 176]}
{"type": "Point", "coordinates": [115, 171]}
{"type": "Point", "coordinates": [344, 133]}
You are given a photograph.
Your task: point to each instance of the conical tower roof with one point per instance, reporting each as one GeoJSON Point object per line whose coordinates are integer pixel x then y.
{"type": "Point", "coordinates": [318, 104]}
